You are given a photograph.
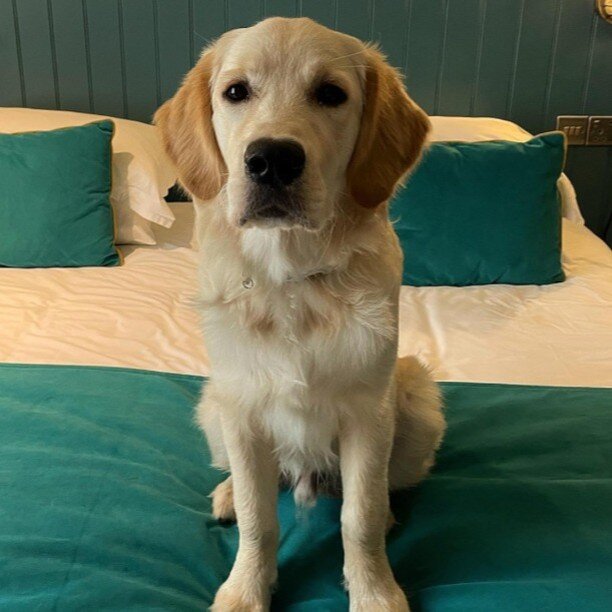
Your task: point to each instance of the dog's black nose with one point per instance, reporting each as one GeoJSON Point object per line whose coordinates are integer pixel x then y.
{"type": "Point", "coordinates": [274, 162]}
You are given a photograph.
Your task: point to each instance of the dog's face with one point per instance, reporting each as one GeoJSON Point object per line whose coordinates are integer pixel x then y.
{"type": "Point", "coordinates": [295, 121]}
{"type": "Point", "coordinates": [286, 108]}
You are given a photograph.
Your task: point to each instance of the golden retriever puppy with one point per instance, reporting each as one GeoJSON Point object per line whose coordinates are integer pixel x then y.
{"type": "Point", "coordinates": [291, 138]}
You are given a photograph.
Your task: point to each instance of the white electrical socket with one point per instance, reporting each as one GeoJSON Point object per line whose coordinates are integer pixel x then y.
{"type": "Point", "coordinates": [600, 131]}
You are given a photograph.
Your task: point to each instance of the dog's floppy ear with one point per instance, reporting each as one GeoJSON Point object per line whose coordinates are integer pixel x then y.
{"type": "Point", "coordinates": [187, 131]}
{"type": "Point", "coordinates": [392, 134]}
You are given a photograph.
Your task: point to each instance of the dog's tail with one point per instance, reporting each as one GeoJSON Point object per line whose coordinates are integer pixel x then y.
{"type": "Point", "coordinates": [419, 426]}
{"type": "Point", "coordinates": [415, 383]}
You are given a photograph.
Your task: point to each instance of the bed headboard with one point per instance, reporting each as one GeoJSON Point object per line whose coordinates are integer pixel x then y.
{"type": "Point", "coordinates": [525, 60]}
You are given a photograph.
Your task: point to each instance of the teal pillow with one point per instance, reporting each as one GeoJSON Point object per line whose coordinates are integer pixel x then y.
{"type": "Point", "coordinates": [55, 198]}
{"type": "Point", "coordinates": [483, 212]}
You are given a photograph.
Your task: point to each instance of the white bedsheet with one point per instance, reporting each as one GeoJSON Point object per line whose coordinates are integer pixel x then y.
{"type": "Point", "coordinates": [141, 315]}
{"type": "Point", "coordinates": [138, 315]}
{"type": "Point", "coordinates": [557, 334]}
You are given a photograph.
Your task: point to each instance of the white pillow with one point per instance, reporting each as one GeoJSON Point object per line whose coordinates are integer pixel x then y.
{"type": "Point", "coordinates": [142, 172]}
{"type": "Point", "coordinates": [475, 129]}
{"type": "Point", "coordinates": [131, 228]}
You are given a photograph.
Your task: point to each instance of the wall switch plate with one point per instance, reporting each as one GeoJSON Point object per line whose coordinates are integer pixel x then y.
{"type": "Point", "coordinates": [600, 131]}
{"type": "Point", "coordinates": [575, 128]}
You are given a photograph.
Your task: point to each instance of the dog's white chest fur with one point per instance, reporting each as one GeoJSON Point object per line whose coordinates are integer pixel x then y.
{"type": "Point", "coordinates": [294, 355]}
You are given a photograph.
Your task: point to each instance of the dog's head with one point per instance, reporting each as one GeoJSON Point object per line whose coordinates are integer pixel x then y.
{"type": "Point", "coordinates": [295, 121]}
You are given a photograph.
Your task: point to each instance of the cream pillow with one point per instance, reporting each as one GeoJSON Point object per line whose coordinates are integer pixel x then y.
{"type": "Point", "coordinates": [142, 172]}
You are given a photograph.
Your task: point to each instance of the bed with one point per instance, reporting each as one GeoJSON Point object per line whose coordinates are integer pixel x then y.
{"type": "Point", "coordinates": [104, 477]}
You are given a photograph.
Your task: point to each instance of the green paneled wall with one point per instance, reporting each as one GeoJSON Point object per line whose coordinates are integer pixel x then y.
{"type": "Point", "coordinates": [526, 60]}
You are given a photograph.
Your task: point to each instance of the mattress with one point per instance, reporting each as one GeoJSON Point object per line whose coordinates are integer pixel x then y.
{"type": "Point", "coordinates": [105, 479]}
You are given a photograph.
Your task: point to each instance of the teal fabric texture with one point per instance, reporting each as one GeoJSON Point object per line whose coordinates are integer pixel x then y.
{"type": "Point", "coordinates": [104, 483]}
{"type": "Point", "coordinates": [483, 212]}
{"type": "Point", "coordinates": [55, 206]}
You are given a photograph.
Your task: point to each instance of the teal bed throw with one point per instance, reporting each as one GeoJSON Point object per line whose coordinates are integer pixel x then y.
{"type": "Point", "coordinates": [104, 484]}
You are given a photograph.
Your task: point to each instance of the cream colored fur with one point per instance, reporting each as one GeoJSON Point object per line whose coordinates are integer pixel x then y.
{"type": "Point", "coordinates": [301, 320]}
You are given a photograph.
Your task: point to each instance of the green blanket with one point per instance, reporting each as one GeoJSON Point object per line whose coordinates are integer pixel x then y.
{"type": "Point", "coordinates": [104, 502]}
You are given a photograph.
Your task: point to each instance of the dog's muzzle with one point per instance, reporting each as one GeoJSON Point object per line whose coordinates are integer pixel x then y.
{"type": "Point", "coordinates": [273, 166]}
{"type": "Point", "coordinates": [275, 163]}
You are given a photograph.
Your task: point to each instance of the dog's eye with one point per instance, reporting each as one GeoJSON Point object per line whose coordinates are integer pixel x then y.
{"type": "Point", "coordinates": [237, 92]}
{"type": "Point", "coordinates": [328, 94]}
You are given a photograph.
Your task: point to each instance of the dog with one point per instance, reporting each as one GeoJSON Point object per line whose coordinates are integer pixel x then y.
{"type": "Point", "coordinates": [291, 138]}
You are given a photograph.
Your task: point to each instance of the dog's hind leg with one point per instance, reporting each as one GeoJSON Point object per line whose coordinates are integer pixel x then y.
{"type": "Point", "coordinates": [419, 424]}
{"type": "Point", "coordinates": [223, 501]}
{"type": "Point", "coordinates": [208, 418]}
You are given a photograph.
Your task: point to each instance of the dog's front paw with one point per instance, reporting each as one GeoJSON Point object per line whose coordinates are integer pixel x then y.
{"type": "Point", "coordinates": [389, 600]}
{"type": "Point", "coordinates": [229, 598]}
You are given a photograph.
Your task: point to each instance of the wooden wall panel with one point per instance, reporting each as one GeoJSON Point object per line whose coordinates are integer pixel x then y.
{"type": "Point", "coordinates": [37, 53]}
{"type": "Point", "coordinates": [458, 64]}
{"type": "Point", "coordinates": [174, 23]}
{"type": "Point", "coordinates": [104, 25]}
{"type": "Point", "coordinates": [598, 92]}
{"type": "Point", "coordinates": [210, 20]}
{"type": "Point", "coordinates": [590, 169]}
{"type": "Point", "coordinates": [242, 13]}
{"type": "Point", "coordinates": [12, 90]}
{"type": "Point", "coordinates": [568, 71]}
{"type": "Point", "coordinates": [535, 43]}
{"type": "Point", "coordinates": [73, 74]}
{"type": "Point", "coordinates": [355, 17]}
{"type": "Point", "coordinates": [281, 8]}
{"type": "Point", "coordinates": [141, 57]}
{"type": "Point", "coordinates": [323, 12]}
{"type": "Point", "coordinates": [390, 30]}
{"type": "Point", "coordinates": [428, 30]}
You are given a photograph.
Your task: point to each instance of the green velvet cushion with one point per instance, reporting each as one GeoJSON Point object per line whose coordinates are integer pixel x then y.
{"type": "Point", "coordinates": [55, 198]}
{"type": "Point", "coordinates": [483, 212]}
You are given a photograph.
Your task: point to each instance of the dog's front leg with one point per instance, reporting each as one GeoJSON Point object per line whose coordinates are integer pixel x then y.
{"type": "Point", "coordinates": [255, 482]}
{"type": "Point", "coordinates": [365, 444]}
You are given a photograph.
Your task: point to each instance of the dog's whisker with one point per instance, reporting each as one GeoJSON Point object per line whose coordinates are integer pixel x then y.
{"type": "Point", "coordinates": [339, 57]}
